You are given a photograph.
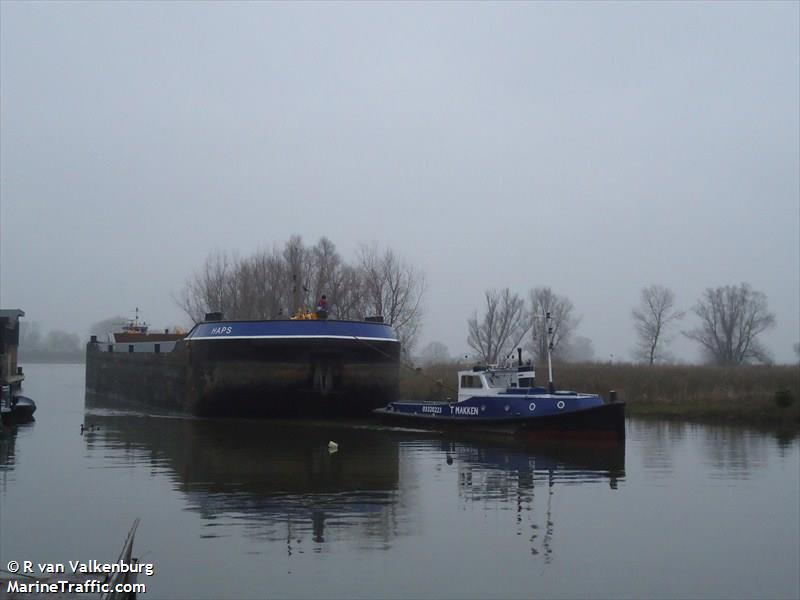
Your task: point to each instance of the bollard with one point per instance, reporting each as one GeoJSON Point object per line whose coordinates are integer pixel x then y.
{"type": "Point", "coordinates": [612, 396]}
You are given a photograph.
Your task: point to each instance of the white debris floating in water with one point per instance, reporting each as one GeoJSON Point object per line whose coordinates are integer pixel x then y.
{"type": "Point", "coordinates": [333, 447]}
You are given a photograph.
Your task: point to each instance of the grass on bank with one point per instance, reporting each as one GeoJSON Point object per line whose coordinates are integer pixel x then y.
{"type": "Point", "coordinates": [736, 394]}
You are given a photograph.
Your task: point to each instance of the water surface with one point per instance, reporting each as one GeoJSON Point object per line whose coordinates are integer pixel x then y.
{"type": "Point", "coordinates": [247, 509]}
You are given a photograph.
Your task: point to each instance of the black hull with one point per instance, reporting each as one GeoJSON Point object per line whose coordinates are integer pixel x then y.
{"type": "Point", "coordinates": [303, 378]}
{"type": "Point", "coordinates": [22, 410]}
{"type": "Point", "coordinates": [603, 422]}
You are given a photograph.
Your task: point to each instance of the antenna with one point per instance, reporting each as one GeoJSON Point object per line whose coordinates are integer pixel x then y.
{"type": "Point", "coordinates": [548, 320]}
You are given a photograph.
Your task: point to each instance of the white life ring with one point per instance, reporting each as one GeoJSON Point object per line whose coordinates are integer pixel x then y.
{"type": "Point", "coordinates": [532, 406]}
{"type": "Point", "coordinates": [560, 404]}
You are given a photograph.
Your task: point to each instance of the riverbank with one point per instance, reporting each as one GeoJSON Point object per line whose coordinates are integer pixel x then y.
{"type": "Point", "coordinates": [745, 394]}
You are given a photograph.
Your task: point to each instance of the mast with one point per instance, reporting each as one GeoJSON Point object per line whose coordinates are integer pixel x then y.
{"type": "Point", "coordinates": [548, 317]}
{"type": "Point", "coordinates": [551, 388]}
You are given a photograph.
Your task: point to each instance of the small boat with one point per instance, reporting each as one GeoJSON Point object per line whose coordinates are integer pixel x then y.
{"type": "Point", "coordinates": [139, 331]}
{"type": "Point", "coordinates": [15, 408]}
{"type": "Point", "coordinates": [22, 408]}
{"type": "Point", "coordinates": [508, 398]}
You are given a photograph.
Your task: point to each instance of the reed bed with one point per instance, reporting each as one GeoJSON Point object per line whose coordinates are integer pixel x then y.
{"type": "Point", "coordinates": [745, 394]}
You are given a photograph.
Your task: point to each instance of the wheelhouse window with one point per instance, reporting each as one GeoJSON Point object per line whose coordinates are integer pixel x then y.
{"type": "Point", "coordinates": [471, 381]}
{"type": "Point", "coordinates": [500, 379]}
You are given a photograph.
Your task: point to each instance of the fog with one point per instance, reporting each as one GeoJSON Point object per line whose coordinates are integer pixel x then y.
{"type": "Point", "coordinates": [593, 148]}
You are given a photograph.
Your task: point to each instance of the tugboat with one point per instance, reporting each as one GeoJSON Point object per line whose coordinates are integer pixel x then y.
{"type": "Point", "coordinates": [508, 398]}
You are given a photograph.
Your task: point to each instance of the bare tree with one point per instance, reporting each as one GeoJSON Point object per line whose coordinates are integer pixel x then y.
{"type": "Point", "coordinates": [731, 319]}
{"type": "Point", "coordinates": [261, 279]}
{"type": "Point", "coordinates": [562, 321]}
{"type": "Point", "coordinates": [271, 284]}
{"type": "Point", "coordinates": [393, 289]}
{"type": "Point", "coordinates": [266, 285]}
{"type": "Point", "coordinates": [310, 272]}
{"type": "Point", "coordinates": [653, 319]}
{"type": "Point", "coordinates": [345, 294]}
{"type": "Point", "coordinates": [502, 328]}
{"type": "Point", "coordinates": [325, 265]}
{"type": "Point", "coordinates": [296, 259]}
{"type": "Point", "coordinates": [210, 288]}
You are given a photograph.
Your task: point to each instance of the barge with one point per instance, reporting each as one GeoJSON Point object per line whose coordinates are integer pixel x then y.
{"type": "Point", "coordinates": [271, 368]}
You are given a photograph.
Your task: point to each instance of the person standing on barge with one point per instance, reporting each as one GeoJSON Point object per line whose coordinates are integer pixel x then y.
{"type": "Point", "coordinates": [322, 307]}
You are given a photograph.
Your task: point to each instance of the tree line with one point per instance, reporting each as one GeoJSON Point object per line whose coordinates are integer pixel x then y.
{"type": "Point", "coordinates": [57, 345]}
{"type": "Point", "coordinates": [279, 282]}
{"type": "Point", "coordinates": [53, 346]}
{"type": "Point", "coordinates": [730, 320]}
{"type": "Point", "coordinates": [276, 283]}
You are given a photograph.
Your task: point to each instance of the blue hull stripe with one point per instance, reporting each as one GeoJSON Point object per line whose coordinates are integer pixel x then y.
{"type": "Point", "coordinates": [499, 408]}
{"type": "Point", "coordinates": [290, 337]}
{"type": "Point", "coordinates": [289, 329]}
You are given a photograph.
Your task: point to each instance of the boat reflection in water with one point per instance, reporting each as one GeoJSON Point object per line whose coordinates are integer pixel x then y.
{"type": "Point", "coordinates": [8, 436]}
{"type": "Point", "coordinates": [278, 482]}
{"type": "Point", "coordinates": [8, 439]}
{"type": "Point", "coordinates": [529, 461]}
{"type": "Point", "coordinates": [278, 479]}
{"type": "Point", "coordinates": [523, 475]}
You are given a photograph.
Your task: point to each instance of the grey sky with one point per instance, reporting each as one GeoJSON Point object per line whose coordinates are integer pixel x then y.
{"type": "Point", "coordinates": [595, 148]}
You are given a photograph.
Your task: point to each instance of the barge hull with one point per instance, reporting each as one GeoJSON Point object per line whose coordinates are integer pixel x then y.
{"type": "Point", "coordinates": [263, 377]}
